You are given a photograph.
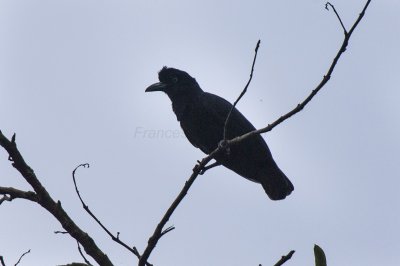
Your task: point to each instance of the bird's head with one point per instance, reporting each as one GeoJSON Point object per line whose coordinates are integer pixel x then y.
{"type": "Point", "coordinates": [175, 82]}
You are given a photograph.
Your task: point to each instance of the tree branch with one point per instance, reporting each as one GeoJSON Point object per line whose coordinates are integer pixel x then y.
{"type": "Point", "coordinates": [157, 234]}
{"type": "Point", "coordinates": [337, 15]}
{"type": "Point", "coordinates": [244, 90]}
{"type": "Point", "coordinates": [10, 193]}
{"type": "Point", "coordinates": [83, 255]}
{"type": "Point", "coordinates": [86, 208]}
{"type": "Point", "coordinates": [47, 202]}
{"type": "Point", "coordinates": [314, 92]}
{"type": "Point", "coordinates": [20, 258]}
{"type": "Point", "coordinates": [285, 258]}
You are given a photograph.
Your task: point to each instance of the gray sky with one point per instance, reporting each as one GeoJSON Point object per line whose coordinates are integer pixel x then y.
{"type": "Point", "coordinates": [72, 80]}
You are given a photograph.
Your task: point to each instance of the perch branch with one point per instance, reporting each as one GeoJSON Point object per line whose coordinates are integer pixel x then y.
{"type": "Point", "coordinates": [314, 92]}
{"type": "Point", "coordinates": [157, 234]}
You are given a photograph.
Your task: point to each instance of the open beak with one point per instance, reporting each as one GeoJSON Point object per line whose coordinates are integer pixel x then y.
{"type": "Point", "coordinates": [159, 86]}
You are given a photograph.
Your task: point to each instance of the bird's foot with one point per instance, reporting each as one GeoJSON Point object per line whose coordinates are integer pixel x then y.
{"type": "Point", "coordinates": [208, 167]}
{"type": "Point", "coordinates": [223, 145]}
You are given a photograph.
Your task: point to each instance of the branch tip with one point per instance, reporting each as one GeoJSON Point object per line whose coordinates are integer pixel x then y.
{"type": "Point", "coordinates": [337, 15]}
{"type": "Point", "coordinates": [167, 230]}
{"type": "Point", "coordinates": [285, 258]}
{"type": "Point", "coordinates": [224, 137]}
{"type": "Point", "coordinates": [20, 258]}
{"type": "Point", "coordinates": [82, 255]}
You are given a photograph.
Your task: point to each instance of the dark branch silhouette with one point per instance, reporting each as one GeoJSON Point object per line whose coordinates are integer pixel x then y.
{"type": "Point", "coordinates": [327, 5]}
{"type": "Point", "coordinates": [20, 258]}
{"type": "Point", "coordinates": [285, 258]}
{"type": "Point", "coordinates": [86, 208]}
{"type": "Point", "coordinates": [244, 90]}
{"type": "Point", "coordinates": [10, 193]}
{"type": "Point", "coordinates": [83, 255]}
{"type": "Point", "coordinates": [314, 92]}
{"type": "Point", "coordinates": [47, 202]}
{"type": "Point", "coordinates": [157, 234]}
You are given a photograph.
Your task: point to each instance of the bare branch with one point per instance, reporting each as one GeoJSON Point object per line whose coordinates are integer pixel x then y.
{"type": "Point", "coordinates": [337, 15]}
{"type": "Point", "coordinates": [157, 234]}
{"type": "Point", "coordinates": [19, 260]}
{"type": "Point", "coordinates": [285, 258]}
{"type": "Point", "coordinates": [86, 208]}
{"type": "Point", "coordinates": [244, 90]}
{"type": "Point", "coordinates": [10, 193]}
{"type": "Point", "coordinates": [47, 202]}
{"type": "Point", "coordinates": [83, 255]}
{"type": "Point", "coordinates": [61, 232]}
{"type": "Point", "coordinates": [167, 230]}
{"type": "Point", "coordinates": [208, 167]}
{"type": "Point", "coordinates": [314, 92]}
{"type": "Point", "coordinates": [2, 261]}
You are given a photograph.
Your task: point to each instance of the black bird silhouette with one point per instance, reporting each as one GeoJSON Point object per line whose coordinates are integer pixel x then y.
{"type": "Point", "coordinates": [202, 117]}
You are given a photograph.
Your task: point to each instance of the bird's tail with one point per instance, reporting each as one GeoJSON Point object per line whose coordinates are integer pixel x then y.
{"type": "Point", "coordinates": [276, 184]}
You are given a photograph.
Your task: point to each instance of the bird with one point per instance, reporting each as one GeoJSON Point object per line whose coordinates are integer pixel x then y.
{"type": "Point", "coordinates": [202, 116]}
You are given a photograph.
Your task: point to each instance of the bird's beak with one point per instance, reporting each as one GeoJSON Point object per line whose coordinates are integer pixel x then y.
{"type": "Point", "coordinates": [159, 86]}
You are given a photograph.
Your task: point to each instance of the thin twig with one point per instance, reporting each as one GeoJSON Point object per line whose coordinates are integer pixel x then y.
{"type": "Point", "coordinates": [337, 15]}
{"type": "Point", "coordinates": [19, 260]}
{"type": "Point", "coordinates": [285, 258]}
{"type": "Point", "coordinates": [61, 232]}
{"type": "Point", "coordinates": [157, 234]}
{"type": "Point", "coordinates": [83, 255]}
{"type": "Point", "coordinates": [244, 90]}
{"type": "Point", "coordinates": [86, 208]}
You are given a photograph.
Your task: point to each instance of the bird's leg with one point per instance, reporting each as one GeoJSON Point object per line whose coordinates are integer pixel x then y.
{"type": "Point", "coordinates": [207, 167]}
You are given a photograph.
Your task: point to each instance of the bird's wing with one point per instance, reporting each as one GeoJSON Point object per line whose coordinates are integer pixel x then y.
{"type": "Point", "coordinates": [204, 127]}
{"type": "Point", "coordinates": [219, 108]}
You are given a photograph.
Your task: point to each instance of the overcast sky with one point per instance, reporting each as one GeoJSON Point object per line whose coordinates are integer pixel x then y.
{"type": "Point", "coordinates": [72, 81]}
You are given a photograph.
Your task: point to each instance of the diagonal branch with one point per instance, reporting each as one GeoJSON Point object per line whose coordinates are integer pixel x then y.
{"type": "Point", "coordinates": [157, 234]}
{"type": "Point", "coordinates": [86, 208]}
{"type": "Point", "coordinates": [285, 258]}
{"type": "Point", "coordinates": [83, 255]}
{"type": "Point", "coordinates": [53, 207]}
{"type": "Point", "coordinates": [20, 258]}
{"type": "Point", "coordinates": [314, 92]}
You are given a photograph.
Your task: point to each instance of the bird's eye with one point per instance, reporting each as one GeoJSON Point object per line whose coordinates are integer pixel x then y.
{"type": "Point", "coordinates": [174, 79]}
